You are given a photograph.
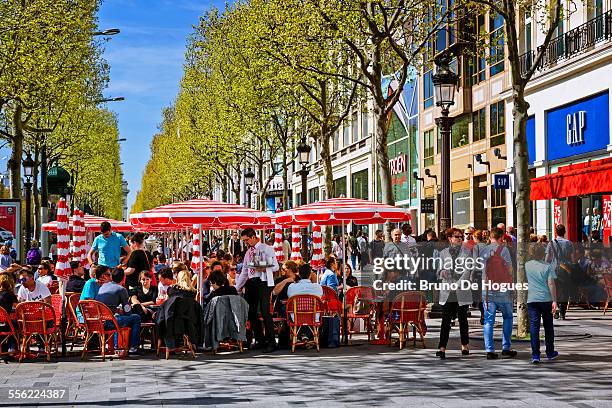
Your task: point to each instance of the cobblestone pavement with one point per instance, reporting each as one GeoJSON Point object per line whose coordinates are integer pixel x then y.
{"type": "Point", "coordinates": [357, 375]}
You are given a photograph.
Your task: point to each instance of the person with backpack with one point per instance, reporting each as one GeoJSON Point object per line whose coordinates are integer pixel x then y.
{"type": "Point", "coordinates": [560, 253]}
{"type": "Point", "coordinates": [497, 271]}
{"type": "Point", "coordinates": [362, 248]}
{"type": "Point", "coordinates": [353, 249]}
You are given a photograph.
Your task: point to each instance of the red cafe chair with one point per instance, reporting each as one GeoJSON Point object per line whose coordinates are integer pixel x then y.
{"type": "Point", "coordinates": [37, 319]}
{"type": "Point", "coordinates": [7, 330]}
{"type": "Point", "coordinates": [331, 303]}
{"type": "Point", "coordinates": [304, 311]}
{"type": "Point", "coordinates": [95, 315]}
{"type": "Point", "coordinates": [364, 294]}
{"type": "Point", "coordinates": [74, 329]}
{"type": "Point", "coordinates": [407, 311]}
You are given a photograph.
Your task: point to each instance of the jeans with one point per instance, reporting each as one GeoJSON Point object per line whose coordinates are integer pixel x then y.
{"type": "Point", "coordinates": [354, 260]}
{"type": "Point", "coordinates": [133, 322]}
{"type": "Point", "coordinates": [536, 311]}
{"type": "Point", "coordinates": [449, 311]}
{"type": "Point", "coordinates": [490, 308]}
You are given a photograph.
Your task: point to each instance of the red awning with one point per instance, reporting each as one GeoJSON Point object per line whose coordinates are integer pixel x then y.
{"type": "Point", "coordinates": [574, 180]}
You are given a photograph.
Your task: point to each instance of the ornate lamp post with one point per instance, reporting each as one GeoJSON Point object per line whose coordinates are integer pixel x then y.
{"type": "Point", "coordinates": [445, 85]}
{"type": "Point", "coordinates": [249, 177]}
{"type": "Point", "coordinates": [28, 171]}
{"type": "Point", "coordinates": [303, 150]}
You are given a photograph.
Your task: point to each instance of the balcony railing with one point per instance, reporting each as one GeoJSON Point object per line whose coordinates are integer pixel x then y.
{"type": "Point", "coordinates": [572, 43]}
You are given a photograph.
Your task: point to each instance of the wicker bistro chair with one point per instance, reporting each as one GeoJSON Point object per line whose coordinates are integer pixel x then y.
{"type": "Point", "coordinates": [37, 319]}
{"type": "Point", "coordinates": [304, 311]}
{"type": "Point", "coordinates": [97, 318]}
{"type": "Point", "coordinates": [331, 303]}
{"type": "Point", "coordinates": [407, 310]}
{"type": "Point", "coordinates": [608, 283]}
{"type": "Point", "coordinates": [365, 294]}
{"type": "Point", "coordinates": [56, 302]}
{"type": "Point", "coordinates": [75, 330]}
{"type": "Point", "coordinates": [7, 330]}
{"type": "Point", "coordinates": [54, 287]}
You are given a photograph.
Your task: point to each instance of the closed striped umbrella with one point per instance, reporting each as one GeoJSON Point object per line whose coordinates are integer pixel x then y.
{"type": "Point", "coordinates": [317, 261]}
{"type": "Point", "coordinates": [78, 236]}
{"type": "Point", "coordinates": [195, 259]}
{"type": "Point", "coordinates": [62, 267]}
{"type": "Point", "coordinates": [278, 243]}
{"type": "Point", "coordinates": [296, 238]}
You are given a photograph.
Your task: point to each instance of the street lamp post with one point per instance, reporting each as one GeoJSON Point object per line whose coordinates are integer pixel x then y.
{"type": "Point", "coordinates": [28, 171]}
{"type": "Point", "coordinates": [303, 150]}
{"type": "Point", "coordinates": [249, 177]}
{"type": "Point", "coordinates": [445, 85]}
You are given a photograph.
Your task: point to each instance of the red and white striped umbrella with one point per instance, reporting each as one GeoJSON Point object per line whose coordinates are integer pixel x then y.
{"type": "Point", "coordinates": [343, 210]}
{"type": "Point", "coordinates": [278, 243]}
{"type": "Point", "coordinates": [62, 267]}
{"type": "Point", "coordinates": [317, 260]}
{"type": "Point", "coordinates": [195, 259]}
{"type": "Point", "coordinates": [78, 236]}
{"type": "Point", "coordinates": [212, 214]}
{"type": "Point", "coordinates": [296, 238]}
{"type": "Point", "coordinates": [92, 224]}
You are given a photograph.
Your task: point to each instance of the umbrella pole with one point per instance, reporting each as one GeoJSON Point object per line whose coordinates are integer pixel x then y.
{"type": "Point", "coordinates": [201, 272]}
{"type": "Point", "coordinates": [344, 305]}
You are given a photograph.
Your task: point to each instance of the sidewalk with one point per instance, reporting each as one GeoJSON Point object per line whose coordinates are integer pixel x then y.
{"type": "Point", "coordinates": [357, 375]}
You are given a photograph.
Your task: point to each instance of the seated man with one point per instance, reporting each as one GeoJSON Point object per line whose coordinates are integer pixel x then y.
{"type": "Point", "coordinates": [304, 286]}
{"type": "Point", "coordinates": [166, 279]}
{"type": "Point", "coordinates": [76, 280]}
{"type": "Point", "coordinates": [31, 289]}
{"type": "Point", "coordinates": [100, 275]}
{"type": "Point", "coordinates": [113, 295]}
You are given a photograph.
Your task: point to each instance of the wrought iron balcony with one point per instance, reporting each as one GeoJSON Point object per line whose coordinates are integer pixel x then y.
{"type": "Point", "coordinates": [579, 40]}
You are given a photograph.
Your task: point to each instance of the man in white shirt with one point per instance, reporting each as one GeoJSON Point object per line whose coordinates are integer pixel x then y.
{"type": "Point", "coordinates": [258, 282]}
{"type": "Point", "coordinates": [407, 235]}
{"type": "Point", "coordinates": [304, 286]}
{"type": "Point", "coordinates": [32, 290]}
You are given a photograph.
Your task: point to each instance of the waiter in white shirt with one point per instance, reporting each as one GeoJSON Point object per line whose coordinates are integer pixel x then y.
{"type": "Point", "coordinates": [258, 283]}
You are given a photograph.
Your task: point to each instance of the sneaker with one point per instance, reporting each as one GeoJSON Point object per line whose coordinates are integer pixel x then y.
{"type": "Point", "coordinates": [535, 359]}
{"type": "Point", "coordinates": [553, 356]}
{"type": "Point", "coordinates": [492, 356]}
{"type": "Point", "coordinates": [133, 350]}
{"type": "Point", "coordinates": [509, 353]}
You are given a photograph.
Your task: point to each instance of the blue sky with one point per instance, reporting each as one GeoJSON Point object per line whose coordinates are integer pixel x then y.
{"type": "Point", "coordinates": [146, 65]}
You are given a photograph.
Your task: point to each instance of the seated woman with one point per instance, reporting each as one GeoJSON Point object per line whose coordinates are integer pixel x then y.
{"type": "Point", "coordinates": [8, 300]}
{"type": "Point", "coordinates": [143, 302]}
{"type": "Point", "coordinates": [351, 281]}
{"type": "Point", "coordinates": [220, 285]}
{"type": "Point", "coordinates": [281, 284]}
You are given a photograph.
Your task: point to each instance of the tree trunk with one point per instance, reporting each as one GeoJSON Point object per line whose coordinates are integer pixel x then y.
{"type": "Point", "coordinates": [36, 196]}
{"type": "Point", "coordinates": [522, 187]}
{"type": "Point", "coordinates": [285, 179]}
{"type": "Point", "coordinates": [15, 162]}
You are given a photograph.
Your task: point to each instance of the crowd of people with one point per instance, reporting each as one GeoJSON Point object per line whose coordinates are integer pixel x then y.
{"type": "Point", "coordinates": [136, 283]}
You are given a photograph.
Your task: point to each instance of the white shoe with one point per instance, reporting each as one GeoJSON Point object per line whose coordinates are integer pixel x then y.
{"type": "Point", "coordinates": [133, 350]}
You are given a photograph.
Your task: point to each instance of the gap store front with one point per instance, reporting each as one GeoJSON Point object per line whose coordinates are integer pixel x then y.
{"type": "Point", "coordinates": [578, 179]}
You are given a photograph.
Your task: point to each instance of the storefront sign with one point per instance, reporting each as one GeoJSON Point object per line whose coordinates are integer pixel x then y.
{"type": "Point", "coordinates": [398, 165]}
{"type": "Point", "coordinates": [579, 127]}
{"type": "Point", "coordinates": [501, 181]}
{"type": "Point", "coordinates": [428, 206]}
{"type": "Point", "coordinates": [607, 218]}
{"type": "Point", "coordinates": [556, 213]}
{"type": "Point", "coordinates": [461, 208]}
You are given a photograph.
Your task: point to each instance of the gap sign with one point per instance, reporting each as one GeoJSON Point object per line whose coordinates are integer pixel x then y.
{"type": "Point", "coordinates": [501, 181]}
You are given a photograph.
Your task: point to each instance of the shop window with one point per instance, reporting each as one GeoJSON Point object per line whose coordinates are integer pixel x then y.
{"type": "Point", "coordinates": [359, 185]}
{"type": "Point", "coordinates": [428, 89]}
{"type": "Point", "coordinates": [460, 133]}
{"type": "Point", "coordinates": [497, 125]}
{"type": "Point", "coordinates": [479, 125]}
{"type": "Point", "coordinates": [498, 206]}
{"type": "Point", "coordinates": [496, 44]}
{"type": "Point", "coordinates": [428, 148]}
{"type": "Point", "coordinates": [461, 208]}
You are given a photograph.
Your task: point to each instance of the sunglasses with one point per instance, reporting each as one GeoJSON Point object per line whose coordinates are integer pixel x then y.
{"type": "Point", "coordinates": [458, 236]}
